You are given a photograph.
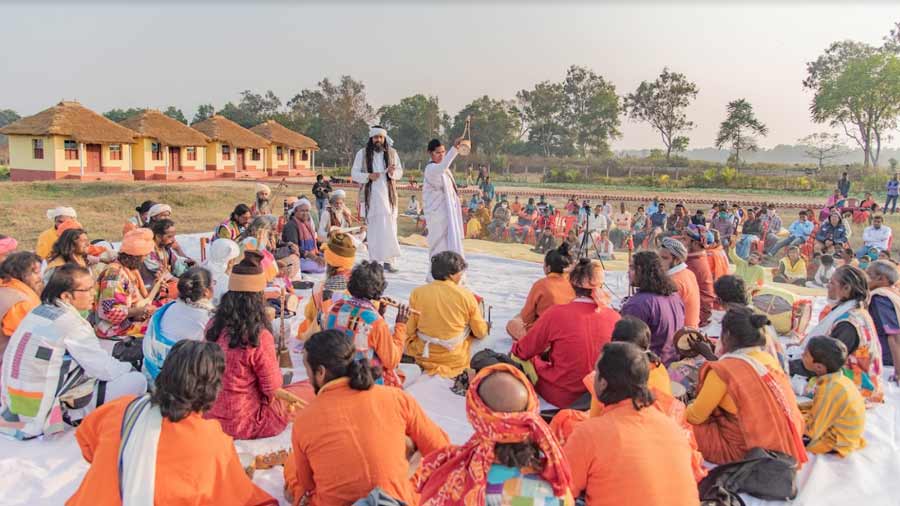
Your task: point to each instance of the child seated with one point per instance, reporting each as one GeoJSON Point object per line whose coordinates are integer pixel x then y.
{"type": "Point", "coordinates": [823, 273]}
{"type": "Point", "coordinates": [837, 417]}
{"type": "Point", "coordinates": [605, 247]}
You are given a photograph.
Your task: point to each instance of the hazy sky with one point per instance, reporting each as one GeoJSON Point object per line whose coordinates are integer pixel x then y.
{"type": "Point", "coordinates": [185, 54]}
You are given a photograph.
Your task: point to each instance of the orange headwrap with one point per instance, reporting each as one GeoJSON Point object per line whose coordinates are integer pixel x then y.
{"type": "Point", "coordinates": [595, 284]}
{"type": "Point", "coordinates": [138, 242]}
{"type": "Point", "coordinates": [457, 475]}
{"type": "Point", "coordinates": [67, 225]}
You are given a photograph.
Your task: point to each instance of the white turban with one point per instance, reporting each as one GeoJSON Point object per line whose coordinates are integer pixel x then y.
{"type": "Point", "coordinates": [382, 132]}
{"type": "Point", "coordinates": [220, 252]}
{"type": "Point", "coordinates": [302, 202]}
{"type": "Point", "coordinates": [158, 209]}
{"type": "Point", "coordinates": [52, 214]}
{"type": "Point", "coordinates": [338, 194]}
{"type": "Point", "coordinates": [261, 188]}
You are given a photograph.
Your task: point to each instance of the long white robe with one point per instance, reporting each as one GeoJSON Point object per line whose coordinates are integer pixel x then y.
{"type": "Point", "coordinates": [381, 218]}
{"type": "Point", "coordinates": [443, 212]}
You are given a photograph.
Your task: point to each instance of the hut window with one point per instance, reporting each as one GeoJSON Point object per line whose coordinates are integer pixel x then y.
{"type": "Point", "coordinates": [254, 155]}
{"type": "Point", "coordinates": [279, 152]}
{"type": "Point", "coordinates": [304, 155]}
{"type": "Point", "coordinates": [71, 148]}
{"type": "Point", "coordinates": [37, 148]}
{"type": "Point", "coordinates": [115, 151]}
{"type": "Point", "coordinates": [156, 151]}
{"type": "Point", "coordinates": [191, 153]}
{"type": "Point", "coordinates": [226, 152]}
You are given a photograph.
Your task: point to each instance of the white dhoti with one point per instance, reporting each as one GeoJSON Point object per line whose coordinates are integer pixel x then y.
{"type": "Point", "coordinates": [443, 211]}
{"type": "Point", "coordinates": [380, 215]}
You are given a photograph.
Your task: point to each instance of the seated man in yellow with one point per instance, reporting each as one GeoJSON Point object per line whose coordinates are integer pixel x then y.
{"type": "Point", "coordinates": [478, 222]}
{"type": "Point", "coordinates": [446, 320]}
{"type": "Point", "coordinates": [837, 418]}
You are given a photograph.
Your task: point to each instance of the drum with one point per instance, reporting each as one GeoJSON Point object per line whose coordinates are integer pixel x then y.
{"type": "Point", "coordinates": [682, 342]}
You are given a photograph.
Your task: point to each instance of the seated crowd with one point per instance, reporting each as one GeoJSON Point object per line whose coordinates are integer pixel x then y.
{"type": "Point", "coordinates": [160, 360]}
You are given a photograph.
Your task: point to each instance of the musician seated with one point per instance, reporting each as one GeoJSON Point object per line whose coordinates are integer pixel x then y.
{"type": "Point", "coordinates": [163, 260]}
{"type": "Point", "coordinates": [124, 303]}
{"type": "Point", "coordinates": [354, 435]}
{"type": "Point", "coordinates": [573, 333]}
{"type": "Point", "coordinates": [337, 215]}
{"type": "Point", "coordinates": [440, 336]}
{"type": "Point", "coordinates": [301, 231]}
{"type": "Point", "coordinates": [172, 455]}
{"type": "Point", "coordinates": [340, 253]}
{"type": "Point", "coordinates": [182, 319]}
{"type": "Point", "coordinates": [247, 407]}
{"type": "Point", "coordinates": [358, 317]}
{"type": "Point", "coordinates": [545, 293]}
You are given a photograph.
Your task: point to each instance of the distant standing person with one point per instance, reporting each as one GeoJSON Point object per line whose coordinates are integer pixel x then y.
{"type": "Point", "coordinates": [893, 190]}
{"type": "Point", "coordinates": [482, 174]}
{"type": "Point", "coordinates": [322, 190]}
{"type": "Point", "coordinates": [441, 202]}
{"type": "Point", "coordinates": [844, 185]}
{"type": "Point", "coordinates": [376, 167]}
{"type": "Point", "coordinates": [487, 190]}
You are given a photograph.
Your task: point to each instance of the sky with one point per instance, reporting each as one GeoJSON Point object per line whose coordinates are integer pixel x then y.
{"type": "Point", "coordinates": [184, 54]}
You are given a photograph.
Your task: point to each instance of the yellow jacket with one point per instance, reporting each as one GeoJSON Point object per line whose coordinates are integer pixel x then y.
{"type": "Point", "coordinates": [446, 310]}
{"type": "Point", "coordinates": [45, 242]}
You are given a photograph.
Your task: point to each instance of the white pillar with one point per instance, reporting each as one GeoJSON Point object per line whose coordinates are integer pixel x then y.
{"type": "Point", "coordinates": [165, 155]}
{"type": "Point", "coordinates": [312, 159]}
{"type": "Point", "coordinates": [81, 157]}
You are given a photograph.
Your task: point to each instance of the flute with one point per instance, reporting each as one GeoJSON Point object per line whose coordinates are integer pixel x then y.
{"type": "Point", "coordinates": [394, 303]}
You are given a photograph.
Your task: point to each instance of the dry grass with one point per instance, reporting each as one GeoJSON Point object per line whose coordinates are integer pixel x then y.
{"type": "Point", "coordinates": [103, 208]}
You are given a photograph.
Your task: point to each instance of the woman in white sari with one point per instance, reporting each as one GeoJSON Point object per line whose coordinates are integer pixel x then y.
{"type": "Point", "coordinates": [443, 211]}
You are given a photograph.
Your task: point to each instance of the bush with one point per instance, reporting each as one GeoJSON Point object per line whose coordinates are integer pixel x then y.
{"type": "Point", "coordinates": [4, 172]}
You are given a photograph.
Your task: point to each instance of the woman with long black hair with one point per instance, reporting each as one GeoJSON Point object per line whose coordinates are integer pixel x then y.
{"type": "Point", "coordinates": [247, 407]}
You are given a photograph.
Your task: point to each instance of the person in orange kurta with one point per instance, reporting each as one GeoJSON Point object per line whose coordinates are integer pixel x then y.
{"type": "Point", "coordinates": [717, 258]}
{"type": "Point", "coordinates": [353, 436]}
{"type": "Point", "coordinates": [20, 288]}
{"type": "Point", "coordinates": [632, 453]}
{"type": "Point", "coordinates": [193, 461]}
{"type": "Point", "coordinates": [546, 292]}
{"type": "Point", "coordinates": [673, 253]}
{"type": "Point", "coordinates": [745, 399]}
{"type": "Point", "coordinates": [358, 317]}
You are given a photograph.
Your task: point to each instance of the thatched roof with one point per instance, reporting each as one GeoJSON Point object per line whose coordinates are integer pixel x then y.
{"type": "Point", "coordinates": [71, 119]}
{"type": "Point", "coordinates": [279, 134]}
{"type": "Point", "coordinates": [222, 129]}
{"type": "Point", "coordinates": [156, 125]}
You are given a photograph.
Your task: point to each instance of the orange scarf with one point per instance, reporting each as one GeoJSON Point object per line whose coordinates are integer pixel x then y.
{"type": "Point", "coordinates": [457, 475]}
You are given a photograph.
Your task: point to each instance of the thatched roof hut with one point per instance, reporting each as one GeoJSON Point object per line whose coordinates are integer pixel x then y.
{"type": "Point", "coordinates": [71, 119]}
{"type": "Point", "coordinates": [279, 134]}
{"type": "Point", "coordinates": [221, 129]}
{"type": "Point", "coordinates": [156, 125]}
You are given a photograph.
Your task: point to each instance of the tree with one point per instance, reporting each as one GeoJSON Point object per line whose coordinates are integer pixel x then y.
{"type": "Point", "coordinates": [662, 104]}
{"type": "Point", "coordinates": [413, 122]}
{"type": "Point", "coordinates": [857, 86]}
{"type": "Point", "coordinates": [495, 124]}
{"type": "Point", "coordinates": [8, 116]}
{"type": "Point", "coordinates": [823, 146]}
{"type": "Point", "coordinates": [337, 115]}
{"type": "Point", "coordinates": [542, 112]}
{"type": "Point", "coordinates": [253, 108]}
{"type": "Point", "coordinates": [175, 114]}
{"type": "Point", "coordinates": [204, 112]}
{"type": "Point", "coordinates": [119, 115]}
{"type": "Point", "coordinates": [739, 129]}
{"type": "Point", "coordinates": [592, 110]}
{"type": "Point", "coordinates": [863, 98]}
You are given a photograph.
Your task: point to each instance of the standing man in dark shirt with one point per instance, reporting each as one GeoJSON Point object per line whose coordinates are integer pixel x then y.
{"type": "Point", "coordinates": [322, 191]}
{"type": "Point", "coordinates": [843, 185]}
{"type": "Point", "coordinates": [883, 306]}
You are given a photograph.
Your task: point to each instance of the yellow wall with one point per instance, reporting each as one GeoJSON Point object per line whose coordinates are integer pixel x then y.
{"type": "Point", "coordinates": [120, 165]}
{"type": "Point", "coordinates": [21, 155]}
{"type": "Point", "coordinates": [214, 155]}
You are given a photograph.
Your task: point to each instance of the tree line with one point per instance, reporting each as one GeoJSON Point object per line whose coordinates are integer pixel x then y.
{"type": "Point", "coordinates": [855, 87]}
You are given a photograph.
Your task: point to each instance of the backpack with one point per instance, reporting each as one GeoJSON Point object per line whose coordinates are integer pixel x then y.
{"type": "Point", "coordinates": [763, 473]}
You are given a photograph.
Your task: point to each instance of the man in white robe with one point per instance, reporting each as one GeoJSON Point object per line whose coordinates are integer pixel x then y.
{"type": "Point", "coordinates": [375, 168]}
{"type": "Point", "coordinates": [440, 199]}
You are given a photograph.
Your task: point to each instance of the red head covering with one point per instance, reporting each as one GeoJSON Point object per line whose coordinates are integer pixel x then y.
{"type": "Point", "coordinates": [457, 475]}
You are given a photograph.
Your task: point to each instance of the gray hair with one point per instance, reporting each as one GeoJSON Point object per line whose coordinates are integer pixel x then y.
{"type": "Point", "coordinates": [884, 269]}
{"type": "Point", "coordinates": [258, 224]}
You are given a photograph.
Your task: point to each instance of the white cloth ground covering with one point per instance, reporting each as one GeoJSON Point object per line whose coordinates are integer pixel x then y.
{"type": "Point", "coordinates": [47, 471]}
